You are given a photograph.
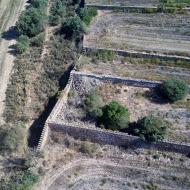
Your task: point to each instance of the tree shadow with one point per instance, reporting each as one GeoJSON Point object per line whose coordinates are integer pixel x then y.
{"type": "Point", "coordinates": [154, 96]}
{"type": "Point", "coordinates": [12, 50]}
{"type": "Point", "coordinates": [10, 34]}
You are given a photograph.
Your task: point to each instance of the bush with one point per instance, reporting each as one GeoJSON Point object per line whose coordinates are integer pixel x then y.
{"type": "Point", "coordinates": [115, 116]}
{"type": "Point", "coordinates": [22, 44]}
{"type": "Point", "coordinates": [13, 138]}
{"type": "Point", "coordinates": [37, 40]}
{"type": "Point", "coordinates": [73, 28]}
{"type": "Point", "coordinates": [86, 14]}
{"type": "Point", "coordinates": [58, 11]}
{"type": "Point", "coordinates": [31, 22]}
{"type": "Point", "coordinates": [87, 148]}
{"type": "Point", "coordinates": [93, 104]}
{"type": "Point", "coordinates": [173, 89]}
{"type": "Point", "coordinates": [150, 128]}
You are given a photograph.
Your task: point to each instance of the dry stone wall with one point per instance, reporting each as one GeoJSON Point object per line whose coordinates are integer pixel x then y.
{"type": "Point", "coordinates": [116, 138]}
{"type": "Point", "coordinates": [103, 136]}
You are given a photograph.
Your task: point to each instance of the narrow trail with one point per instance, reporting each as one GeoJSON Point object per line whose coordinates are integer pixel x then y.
{"type": "Point", "coordinates": [7, 57]}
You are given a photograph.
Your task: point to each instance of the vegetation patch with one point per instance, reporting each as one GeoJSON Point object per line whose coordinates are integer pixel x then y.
{"type": "Point", "coordinates": [86, 14]}
{"type": "Point", "coordinates": [173, 89]}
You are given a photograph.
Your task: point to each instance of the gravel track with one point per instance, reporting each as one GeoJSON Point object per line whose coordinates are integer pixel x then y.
{"type": "Point", "coordinates": [106, 174]}
{"type": "Point", "coordinates": [6, 57]}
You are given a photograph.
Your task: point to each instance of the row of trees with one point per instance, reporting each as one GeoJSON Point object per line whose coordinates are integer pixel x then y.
{"type": "Point", "coordinates": [31, 23]}
{"type": "Point", "coordinates": [116, 117]}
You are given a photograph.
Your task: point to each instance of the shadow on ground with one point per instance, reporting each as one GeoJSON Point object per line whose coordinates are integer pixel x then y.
{"type": "Point", "coordinates": [38, 124]}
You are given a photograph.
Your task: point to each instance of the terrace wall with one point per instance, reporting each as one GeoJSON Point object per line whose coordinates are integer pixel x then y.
{"type": "Point", "coordinates": [121, 80]}
{"type": "Point", "coordinates": [137, 9]}
{"type": "Point", "coordinates": [116, 138]}
{"type": "Point", "coordinates": [137, 54]}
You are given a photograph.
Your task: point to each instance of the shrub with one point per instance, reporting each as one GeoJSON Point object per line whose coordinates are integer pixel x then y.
{"type": "Point", "coordinates": [37, 40]}
{"type": "Point", "coordinates": [58, 11]}
{"type": "Point", "coordinates": [115, 116]}
{"type": "Point", "coordinates": [86, 14]}
{"type": "Point", "coordinates": [173, 89]}
{"type": "Point", "coordinates": [93, 104]}
{"type": "Point", "coordinates": [73, 28]}
{"type": "Point", "coordinates": [13, 138]}
{"type": "Point", "coordinates": [22, 44]}
{"type": "Point", "coordinates": [105, 55]}
{"type": "Point", "coordinates": [31, 22]}
{"type": "Point", "coordinates": [87, 148]}
{"type": "Point", "coordinates": [150, 128]}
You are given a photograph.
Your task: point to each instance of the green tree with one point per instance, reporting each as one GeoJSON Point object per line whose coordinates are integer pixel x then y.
{"type": "Point", "coordinates": [150, 128]}
{"type": "Point", "coordinates": [73, 28]}
{"type": "Point", "coordinates": [115, 116]}
{"type": "Point", "coordinates": [86, 14]}
{"type": "Point", "coordinates": [31, 22]}
{"type": "Point", "coordinates": [173, 89]}
{"type": "Point", "coordinates": [58, 12]}
{"type": "Point", "coordinates": [22, 44]}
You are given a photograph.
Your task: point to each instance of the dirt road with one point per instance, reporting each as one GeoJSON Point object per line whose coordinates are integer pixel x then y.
{"type": "Point", "coordinates": [9, 13]}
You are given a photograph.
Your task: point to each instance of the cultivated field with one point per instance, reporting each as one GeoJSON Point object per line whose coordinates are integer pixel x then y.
{"type": "Point", "coordinates": [156, 33]}
{"type": "Point", "coordinates": [144, 3]}
{"type": "Point", "coordinates": [109, 167]}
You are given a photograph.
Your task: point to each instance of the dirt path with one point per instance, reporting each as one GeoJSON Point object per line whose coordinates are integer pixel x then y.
{"type": "Point", "coordinates": [7, 20]}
